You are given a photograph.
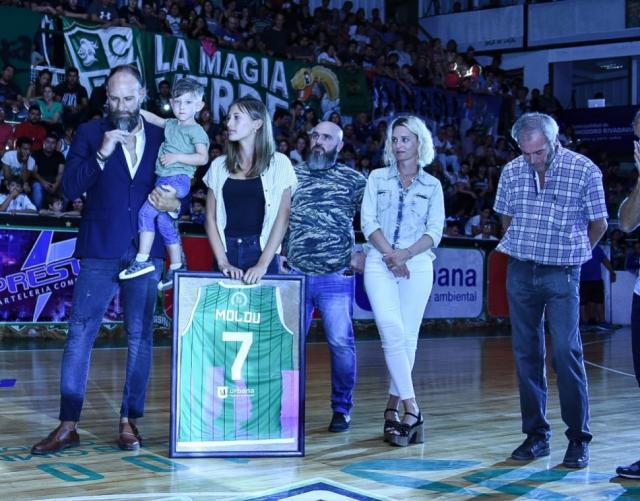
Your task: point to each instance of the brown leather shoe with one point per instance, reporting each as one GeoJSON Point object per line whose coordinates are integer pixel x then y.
{"type": "Point", "coordinates": [136, 432]}
{"type": "Point", "coordinates": [129, 438]}
{"type": "Point", "coordinates": [59, 439]}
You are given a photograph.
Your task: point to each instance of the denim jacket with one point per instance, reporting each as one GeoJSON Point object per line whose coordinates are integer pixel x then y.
{"type": "Point", "coordinates": [403, 215]}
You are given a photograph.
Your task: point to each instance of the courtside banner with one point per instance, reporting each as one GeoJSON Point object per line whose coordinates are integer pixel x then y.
{"type": "Point", "coordinates": [458, 286]}
{"type": "Point", "coordinates": [237, 382]}
{"type": "Point", "coordinates": [37, 276]}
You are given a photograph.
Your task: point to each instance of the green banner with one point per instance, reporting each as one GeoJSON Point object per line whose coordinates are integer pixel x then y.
{"type": "Point", "coordinates": [225, 74]}
{"type": "Point", "coordinates": [19, 29]}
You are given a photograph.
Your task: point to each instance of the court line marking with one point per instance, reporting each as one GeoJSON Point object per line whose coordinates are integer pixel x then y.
{"type": "Point", "coordinates": [609, 369]}
{"type": "Point", "coordinates": [237, 495]}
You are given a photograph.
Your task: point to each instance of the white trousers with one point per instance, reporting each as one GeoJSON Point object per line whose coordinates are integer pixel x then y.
{"type": "Point", "coordinates": [398, 306]}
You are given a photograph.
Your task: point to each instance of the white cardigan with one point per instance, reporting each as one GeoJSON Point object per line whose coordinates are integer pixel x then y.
{"type": "Point", "coordinates": [275, 179]}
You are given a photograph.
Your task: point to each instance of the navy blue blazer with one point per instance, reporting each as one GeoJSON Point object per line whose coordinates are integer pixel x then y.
{"type": "Point", "coordinates": [109, 225]}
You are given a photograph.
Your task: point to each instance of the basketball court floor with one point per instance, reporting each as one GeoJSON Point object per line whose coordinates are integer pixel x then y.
{"type": "Point", "coordinates": [465, 384]}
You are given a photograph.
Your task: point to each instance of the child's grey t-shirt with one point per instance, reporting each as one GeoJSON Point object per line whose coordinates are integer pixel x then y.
{"type": "Point", "coordinates": [180, 139]}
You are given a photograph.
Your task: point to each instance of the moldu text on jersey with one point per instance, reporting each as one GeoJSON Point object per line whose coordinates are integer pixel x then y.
{"type": "Point", "coordinates": [247, 317]}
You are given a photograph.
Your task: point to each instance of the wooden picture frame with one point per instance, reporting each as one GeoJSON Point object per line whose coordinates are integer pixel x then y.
{"type": "Point", "coordinates": [237, 377]}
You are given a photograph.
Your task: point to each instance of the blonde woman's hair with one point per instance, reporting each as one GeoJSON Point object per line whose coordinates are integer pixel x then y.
{"type": "Point", "coordinates": [417, 127]}
{"type": "Point", "coordinates": [264, 146]}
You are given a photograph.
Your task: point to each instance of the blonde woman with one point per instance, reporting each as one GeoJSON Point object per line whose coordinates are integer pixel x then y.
{"type": "Point", "coordinates": [402, 218]}
{"type": "Point", "coordinates": [249, 195]}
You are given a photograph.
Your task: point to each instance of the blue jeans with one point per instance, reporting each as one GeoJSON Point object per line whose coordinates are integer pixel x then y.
{"type": "Point", "coordinates": [149, 216]}
{"type": "Point", "coordinates": [37, 194]}
{"type": "Point", "coordinates": [534, 290]}
{"type": "Point", "coordinates": [94, 289]}
{"type": "Point", "coordinates": [635, 335]}
{"type": "Point", "coordinates": [333, 294]}
{"type": "Point", "coordinates": [244, 252]}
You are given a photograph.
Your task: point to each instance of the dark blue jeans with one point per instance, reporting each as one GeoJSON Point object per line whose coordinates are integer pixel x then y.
{"type": "Point", "coordinates": [635, 335]}
{"type": "Point", "coordinates": [535, 291]}
{"type": "Point", "coordinates": [333, 294]}
{"type": "Point", "coordinates": [94, 289]}
{"type": "Point", "coordinates": [244, 252]}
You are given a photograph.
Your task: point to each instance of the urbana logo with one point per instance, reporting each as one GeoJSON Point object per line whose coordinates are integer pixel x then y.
{"type": "Point", "coordinates": [239, 299]}
{"type": "Point", "coordinates": [87, 52]}
{"type": "Point", "coordinates": [223, 392]}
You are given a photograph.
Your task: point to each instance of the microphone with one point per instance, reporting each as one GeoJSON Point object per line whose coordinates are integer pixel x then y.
{"type": "Point", "coordinates": [124, 124]}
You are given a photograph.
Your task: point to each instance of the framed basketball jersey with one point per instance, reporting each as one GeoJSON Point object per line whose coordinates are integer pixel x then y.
{"type": "Point", "coordinates": [237, 367]}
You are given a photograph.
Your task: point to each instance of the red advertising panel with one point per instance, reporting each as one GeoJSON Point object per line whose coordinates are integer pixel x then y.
{"type": "Point", "coordinates": [497, 284]}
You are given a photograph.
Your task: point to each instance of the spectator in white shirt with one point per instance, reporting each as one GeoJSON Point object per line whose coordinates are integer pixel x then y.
{"type": "Point", "coordinates": [329, 55]}
{"type": "Point", "coordinates": [487, 232]}
{"type": "Point", "coordinates": [445, 151]}
{"type": "Point", "coordinates": [358, 33]}
{"type": "Point", "coordinates": [15, 200]}
{"type": "Point", "coordinates": [403, 56]}
{"type": "Point", "coordinates": [19, 163]}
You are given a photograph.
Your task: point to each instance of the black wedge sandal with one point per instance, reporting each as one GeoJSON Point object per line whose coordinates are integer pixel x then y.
{"type": "Point", "coordinates": [409, 433]}
{"type": "Point", "coordinates": [390, 425]}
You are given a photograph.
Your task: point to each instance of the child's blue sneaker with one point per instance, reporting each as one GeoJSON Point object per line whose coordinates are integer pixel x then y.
{"type": "Point", "coordinates": [167, 282]}
{"type": "Point", "coordinates": [137, 268]}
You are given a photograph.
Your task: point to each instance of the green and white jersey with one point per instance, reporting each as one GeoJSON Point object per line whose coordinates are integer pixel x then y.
{"type": "Point", "coordinates": [233, 352]}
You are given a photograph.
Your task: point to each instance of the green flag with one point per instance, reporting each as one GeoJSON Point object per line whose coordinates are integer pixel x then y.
{"type": "Point", "coordinates": [19, 29]}
{"type": "Point", "coordinates": [94, 50]}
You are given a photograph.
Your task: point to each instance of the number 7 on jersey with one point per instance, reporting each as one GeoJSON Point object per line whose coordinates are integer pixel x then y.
{"type": "Point", "coordinates": [246, 340]}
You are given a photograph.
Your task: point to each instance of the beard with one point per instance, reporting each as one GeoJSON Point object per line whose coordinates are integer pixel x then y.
{"type": "Point", "coordinates": [127, 120]}
{"type": "Point", "coordinates": [318, 159]}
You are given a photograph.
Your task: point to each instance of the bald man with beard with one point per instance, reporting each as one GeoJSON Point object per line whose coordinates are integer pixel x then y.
{"type": "Point", "coordinates": [320, 245]}
{"type": "Point", "coordinates": [113, 161]}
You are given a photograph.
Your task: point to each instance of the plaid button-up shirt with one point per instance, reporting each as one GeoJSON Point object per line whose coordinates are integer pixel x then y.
{"type": "Point", "coordinates": [549, 224]}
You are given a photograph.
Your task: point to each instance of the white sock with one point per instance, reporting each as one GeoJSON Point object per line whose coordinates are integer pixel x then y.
{"type": "Point", "coordinates": [142, 257]}
{"type": "Point", "coordinates": [175, 266]}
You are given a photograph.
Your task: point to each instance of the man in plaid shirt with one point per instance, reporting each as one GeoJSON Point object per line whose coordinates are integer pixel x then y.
{"type": "Point", "coordinates": [553, 211]}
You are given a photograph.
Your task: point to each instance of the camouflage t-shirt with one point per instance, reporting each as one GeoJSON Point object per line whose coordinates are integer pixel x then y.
{"type": "Point", "coordinates": [320, 237]}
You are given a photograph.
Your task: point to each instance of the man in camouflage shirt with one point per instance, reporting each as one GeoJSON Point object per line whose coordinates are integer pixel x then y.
{"type": "Point", "coordinates": [319, 245]}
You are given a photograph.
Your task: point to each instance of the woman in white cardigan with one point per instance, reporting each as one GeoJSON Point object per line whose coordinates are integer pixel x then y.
{"type": "Point", "coordinates": [249, 197]}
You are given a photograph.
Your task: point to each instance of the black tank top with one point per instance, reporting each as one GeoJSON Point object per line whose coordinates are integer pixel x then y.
{"type": "Point", "coordinates": [244, 203]}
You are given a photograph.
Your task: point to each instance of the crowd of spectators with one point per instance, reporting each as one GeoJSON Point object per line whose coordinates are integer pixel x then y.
{"type": "Point", "coordinates": [468, 164]}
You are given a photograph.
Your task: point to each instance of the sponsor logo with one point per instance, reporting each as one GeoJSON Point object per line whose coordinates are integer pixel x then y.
{"type": "Point", "coordinates": [226, 392]}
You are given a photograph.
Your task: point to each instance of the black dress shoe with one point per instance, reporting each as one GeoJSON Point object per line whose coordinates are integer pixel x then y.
{"type": "Point", "coordinates": [630, 471]}
{"type": "Point", "coordinates": [577, 455]}
{"type": "Point", "coordinates": [340, 422]}
{"type": "Point", "coordinates": [531, 448]}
